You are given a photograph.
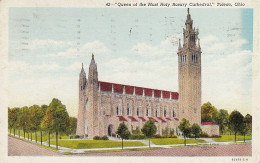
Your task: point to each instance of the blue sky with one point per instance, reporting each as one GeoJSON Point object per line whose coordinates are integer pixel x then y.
{"type": "Point", "coordinates": [131, 46]}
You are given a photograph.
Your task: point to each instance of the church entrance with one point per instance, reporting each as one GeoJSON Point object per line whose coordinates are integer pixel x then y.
{"type": "Point", "coordinates": [110, 130]}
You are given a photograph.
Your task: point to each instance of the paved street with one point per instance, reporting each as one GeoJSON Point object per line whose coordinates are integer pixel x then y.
{"type": "Point", "coordinates": [213, 150]}
{"type": "Point", "coordinates": [18, 147]}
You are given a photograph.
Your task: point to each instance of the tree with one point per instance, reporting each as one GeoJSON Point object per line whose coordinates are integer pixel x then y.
{"type": "Point", "coordinates": [123, 132]}
{"type": "Point", "coordinates": [172, 131]}
{"type": "Point", "coordinates": [56, 119]}
{"type": "Point", "coordinates": [13, 118]}
{"type": "Point", "coordinates": [236, 120]}
{"type": "Point", "coordinates": [41, 115]}
{"type": "Point", "coordinates": [222, 120]}
{"type": "Point", "coordinates": [248, 121]}
{"type": "Point", "coordinates": [195, 130]}
{"type": "Point", "coordinates": [165, 131]}
{"type": "Point", "coordinates": [73, 125]}
{"type": "Point", "coordinates": [23, 119]}
{"type": "Point", "coordinates": [184, 126]}
{"type": "Point", "coordinates": [149, 129]}
{"type": "Point", "coordinates": [208, 112]}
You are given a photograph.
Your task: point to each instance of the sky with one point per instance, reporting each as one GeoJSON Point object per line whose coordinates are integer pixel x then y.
{"type": "Point", "coordinates": [47, 47]}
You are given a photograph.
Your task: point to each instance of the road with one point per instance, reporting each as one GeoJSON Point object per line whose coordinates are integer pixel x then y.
{"type": "Point", "coordinates": [17, 147]}
{"type": "Point", "coordinates": [213, 150]}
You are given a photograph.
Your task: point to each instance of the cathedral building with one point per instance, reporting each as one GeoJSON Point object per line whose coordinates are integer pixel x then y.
{"type": "Point", "coordinates": [104, 105]}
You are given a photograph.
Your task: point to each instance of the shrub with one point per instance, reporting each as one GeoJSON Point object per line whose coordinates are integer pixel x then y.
{"type": "Point", "coordinates": [96, 138]}
{"type": "Point", "coordinates": [204, 135]}
{"type": "Point", "coordinates": [215, 136]}
{"type": "Point", "coordinates": [137, 136]}
{"type": "Point", "coordinates": [157, 136]}
{"type": "Point", "coordinates": [172, 131]}
{"type": "Point", "coordinates": [104, 137]}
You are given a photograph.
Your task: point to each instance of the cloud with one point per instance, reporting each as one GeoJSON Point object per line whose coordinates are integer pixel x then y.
{"type": "Point", "coordinates": [96, 47]}
{"type": "Point", "coordinates": [24, 67]}
{"type": "Point", "coordinates": [166, 47]}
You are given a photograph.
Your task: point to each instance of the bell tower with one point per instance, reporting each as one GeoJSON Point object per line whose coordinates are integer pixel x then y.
{"type": "Point", "coordinates": [91, 121]}
{"type": "Point", "coordinates": [82, 99]}
{"type": "Point", "coordinates": [189, 67]}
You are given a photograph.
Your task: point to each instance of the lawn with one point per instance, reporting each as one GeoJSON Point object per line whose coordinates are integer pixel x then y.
{"type": "Point", "coordinates": [232, 138]}
{"type": "Point", "coordinates": [167, 141]}
{"type": "Point", "coordinates": [45, 135]}
{"type": "Point", "coordinates": [118, 150]}
{"type": "Point", "coordinates": [84, 144]}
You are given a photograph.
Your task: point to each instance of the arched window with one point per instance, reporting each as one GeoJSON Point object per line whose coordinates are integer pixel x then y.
{"type": "Point", "coordinates": [156, 113]}
{"type": "Point", "coordinates": [173, 114]}
{"type": "Point", "coordinates": [164, 112]}
{"type": "Point", "coordinates": [117, 110]}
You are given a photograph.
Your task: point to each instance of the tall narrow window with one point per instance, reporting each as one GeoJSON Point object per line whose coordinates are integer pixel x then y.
{"type": "Point", "coordinates": [164, 113]}
{"type": "Point", "coordinates": [86, 105]}
{"type": "Point", "coordinates": [117, 110]}
{"type": "Point", "coordinates": [127, 110]}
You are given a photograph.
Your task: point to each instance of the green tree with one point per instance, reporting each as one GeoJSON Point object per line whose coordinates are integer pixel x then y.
{"type": "Point", "coordinates": [73, 125]}
{"type": "Point", "coordinates": [41, 116]}
{"type": "Point", "coordinates": [208, 112]}
{"type": "Point", "coordinates": [23, 119]}
{"type": "Point", "coordinates": [236, 120]}
{"type": "Point", "coordinates": [165, 131]}
{"type": "Point", "coordinates": [222, 120]}
{"type": "Point", "coordinates": [195, 130]}
{"type": "Point", "coordinates": [13, 119]}
{"type": "Point", "coordinates": [123, 132]}
{"type": "Point", "coordinates": [137, 131]}
{"type": "Point", "coordinates": [149, 129]}
{"type": "Point", "coordinates": [248, 121]}
{"type": "Point", "coordinates": [56, 119]}
{"type": "Point", "coordinates": [184, 126]}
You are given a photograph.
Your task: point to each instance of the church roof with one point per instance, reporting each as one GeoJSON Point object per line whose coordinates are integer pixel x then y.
{"type": "Point", "coordinates": [119, 88]}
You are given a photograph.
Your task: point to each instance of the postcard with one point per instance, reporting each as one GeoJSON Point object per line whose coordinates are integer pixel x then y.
{"type": "Point", "coordinates": [108, 80]}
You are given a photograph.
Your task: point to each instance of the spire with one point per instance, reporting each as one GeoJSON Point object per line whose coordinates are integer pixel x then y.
{"type": "Point", "coordinates": [179, 44]}
{"type": "Point", "coordinates": [92, 60]}
{"type": "Point", "coordinates": [188, 21]}
{"type": "Point", "coordinates": [82, 70]}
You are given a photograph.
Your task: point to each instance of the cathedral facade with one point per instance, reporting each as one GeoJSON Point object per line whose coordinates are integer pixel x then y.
{"type": "Point", "coordinates": [104, 105]}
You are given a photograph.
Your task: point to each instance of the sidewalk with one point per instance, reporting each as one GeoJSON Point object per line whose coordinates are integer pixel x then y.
{"type": "Point", "coordinates": [209, 141]}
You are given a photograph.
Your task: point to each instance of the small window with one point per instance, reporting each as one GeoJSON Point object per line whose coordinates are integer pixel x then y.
{"type": "Point", "coordinates": [86, 105]}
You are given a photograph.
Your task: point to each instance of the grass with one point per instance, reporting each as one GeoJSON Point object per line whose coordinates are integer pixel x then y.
{"type": "Point", "coordinates": [67, 153]}
{"type": "Point", "coordinates": [232, 138]}
{"type": "Point", "coordinates": [119, 150]}
{"type": "Point", "coordinates": [45, 135]}
{"type": "Point", "coordinates": [84, 144]}
{"type": "Point", "coordinates": [167, 141]}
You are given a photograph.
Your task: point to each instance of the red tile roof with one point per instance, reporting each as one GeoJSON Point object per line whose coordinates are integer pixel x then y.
{"type": "Point", "coordinates": [153, 119]}
{"type": "Point", "coordinates": [133, 118]}
{"type": "Point", "coordinates": [166, 94]}
{"type": "Point", "coordinates": [118, 88]}
{"type": "Point", "coordinates": [168, 118]}
{"type": "Point", "coordinates": [208, 123]}
{"type": "Point", "coordinates": [157, 93]}
{"type": "Point", "coordinates": [129, 89]}
{"type": "Point", "coordinates": [139, 91]}
{"type": "Point", "coordinates": [161, 119]}
{"type": "Point", "coordinates": [148, 92]}
{"type": "Point", "coordinates": [142, 118]}
{"type": "Point", "coordinates": [121, 118]}
{"type": "Point", "coordinates": [176, 118]}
